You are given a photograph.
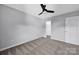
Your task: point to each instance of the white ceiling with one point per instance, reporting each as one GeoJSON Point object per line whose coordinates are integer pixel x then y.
{"type": "Point", "coordinates": [35, 9]}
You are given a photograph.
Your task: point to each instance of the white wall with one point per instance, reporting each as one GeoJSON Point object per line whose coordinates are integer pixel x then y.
{"type": "Point", "coordinates": [17, 27]}
{"type": "Point", "coordinates": [58, 25]}
{"type": "Point", "coordinates": [58, 29]}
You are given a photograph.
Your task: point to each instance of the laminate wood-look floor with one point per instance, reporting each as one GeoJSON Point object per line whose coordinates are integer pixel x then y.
{"type": "Point", "coordinates": [43, 46]}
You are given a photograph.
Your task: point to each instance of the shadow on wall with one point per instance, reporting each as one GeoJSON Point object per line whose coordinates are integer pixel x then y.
{"type": "Point", "coordinates": [17, 27]}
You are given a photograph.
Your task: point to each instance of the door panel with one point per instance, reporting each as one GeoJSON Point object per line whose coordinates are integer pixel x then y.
{"type": "Point", "coordinates": [48, 28]}
{"type": "Point", "coordinates": [71, 30]}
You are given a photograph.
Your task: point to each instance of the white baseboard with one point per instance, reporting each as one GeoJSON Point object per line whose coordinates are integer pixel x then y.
{"type": "Point", "coordinates": [16, 44]}
{"type": "Point", "coordinates": [12, 46]}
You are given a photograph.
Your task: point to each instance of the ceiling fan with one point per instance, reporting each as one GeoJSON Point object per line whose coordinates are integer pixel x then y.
{"type": "Point", "coordinates": [44, 9]}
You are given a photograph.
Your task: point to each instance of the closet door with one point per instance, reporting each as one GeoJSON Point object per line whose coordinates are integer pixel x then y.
{"type": "Point", "coordinates": [71, 30]}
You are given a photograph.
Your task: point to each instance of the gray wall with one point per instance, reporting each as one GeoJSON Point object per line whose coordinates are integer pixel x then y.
{"type": "Point", "coordinates": [58, 25]}
{"type": "Point", "coordinates": [17, 27]}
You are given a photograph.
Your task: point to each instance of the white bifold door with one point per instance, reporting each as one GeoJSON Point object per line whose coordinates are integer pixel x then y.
{"type": "Point", "coordinates": [72, 30]}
